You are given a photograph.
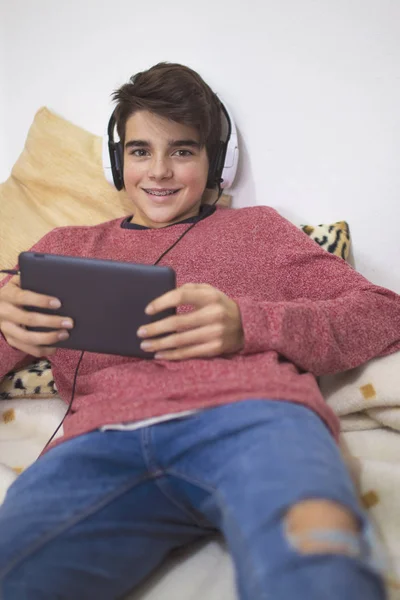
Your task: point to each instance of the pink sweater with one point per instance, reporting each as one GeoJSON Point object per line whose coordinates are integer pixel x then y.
{"type": "Point", "coordinates": [305, 313]}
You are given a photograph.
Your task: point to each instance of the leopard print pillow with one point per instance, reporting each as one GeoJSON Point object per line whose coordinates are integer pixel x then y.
{"type": "Point", "coordinates": [334, 238]}
{"type": "Point", "coordinates": [36, 381]}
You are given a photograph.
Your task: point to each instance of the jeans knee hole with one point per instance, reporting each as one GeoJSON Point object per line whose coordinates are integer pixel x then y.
{"type": "Point", "coordinates": [326, 541]}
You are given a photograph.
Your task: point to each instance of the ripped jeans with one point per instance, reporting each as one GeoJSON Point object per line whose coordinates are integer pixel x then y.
{"type": "Point", "coordinates": [96, 515]}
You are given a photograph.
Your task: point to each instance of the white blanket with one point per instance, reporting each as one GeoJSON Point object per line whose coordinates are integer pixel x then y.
{"type": "Point", "coordinates": [367, 399]}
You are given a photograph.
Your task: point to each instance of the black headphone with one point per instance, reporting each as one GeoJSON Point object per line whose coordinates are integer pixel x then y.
{"type": "Point", "coordinates": [223, 164]}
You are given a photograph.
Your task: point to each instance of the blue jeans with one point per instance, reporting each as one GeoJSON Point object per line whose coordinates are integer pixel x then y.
{"type": "Point", "coordinates": [97, 514]}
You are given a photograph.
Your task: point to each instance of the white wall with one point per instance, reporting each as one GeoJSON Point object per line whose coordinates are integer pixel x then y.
{"type": "Point", "coordinates": [314, 87]}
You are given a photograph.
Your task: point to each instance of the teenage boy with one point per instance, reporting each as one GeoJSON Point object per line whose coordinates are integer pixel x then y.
{"type": "Point", "coordinates": [225, 430]}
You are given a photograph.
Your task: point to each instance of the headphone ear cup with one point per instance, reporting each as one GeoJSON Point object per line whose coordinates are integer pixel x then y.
{"type": "Point", "coordinates": [117, 167]}
{"type": "Point", "coordinates": [120, 159]}
{"type": "Point", "coordinates": [211, 178]}
{"type": "Point", "coordinates": [216, 167]}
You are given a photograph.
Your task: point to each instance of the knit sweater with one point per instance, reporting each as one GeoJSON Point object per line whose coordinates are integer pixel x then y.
{"type": "Point", "coordinates": [305, 313]}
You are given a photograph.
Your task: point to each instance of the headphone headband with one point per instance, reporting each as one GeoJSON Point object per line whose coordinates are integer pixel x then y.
{"type": "Point", "coordinates": [223, 165]}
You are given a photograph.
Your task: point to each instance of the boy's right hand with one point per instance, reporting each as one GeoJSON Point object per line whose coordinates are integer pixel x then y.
{"type": "Point", "coordinates": [14, 319]}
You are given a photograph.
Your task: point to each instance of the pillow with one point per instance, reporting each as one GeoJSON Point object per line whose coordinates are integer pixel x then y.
{"type": "Point", "coordinates": [58, 180]}
{"type": "Point", "coordinates": [34, 381]}
{"type": "Point", "coordinates": [335, 238]}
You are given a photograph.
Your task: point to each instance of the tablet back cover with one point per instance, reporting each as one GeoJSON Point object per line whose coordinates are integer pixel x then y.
{"type": "Point", "coordinates": [105, 298]}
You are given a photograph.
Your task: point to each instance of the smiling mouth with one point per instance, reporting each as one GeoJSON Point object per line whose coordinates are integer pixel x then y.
{"type": "Point", "coordinates": [161, 193]}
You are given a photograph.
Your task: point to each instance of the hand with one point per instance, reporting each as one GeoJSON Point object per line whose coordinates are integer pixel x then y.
{"type": "Point", "coordinates": [212, 329]}
{"type": "Point", "coordinates": [14, 319]}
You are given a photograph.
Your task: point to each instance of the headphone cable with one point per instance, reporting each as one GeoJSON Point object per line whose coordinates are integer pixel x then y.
{"type": "Point", "coordinates": [203, 216]}
{"type": "Point", "coordinates": [70, 402]}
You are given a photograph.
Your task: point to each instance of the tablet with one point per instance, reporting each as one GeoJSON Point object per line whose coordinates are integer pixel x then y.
{"type": "Point", "coordinates": [105, 298]}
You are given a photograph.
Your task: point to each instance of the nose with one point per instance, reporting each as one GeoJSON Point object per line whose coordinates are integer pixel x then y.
{"type": "Point", "coordinates": [160, 168]}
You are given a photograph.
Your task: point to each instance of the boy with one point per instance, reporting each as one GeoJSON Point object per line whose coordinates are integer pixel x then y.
{"type": "Point", "coordinates": [225, 429]}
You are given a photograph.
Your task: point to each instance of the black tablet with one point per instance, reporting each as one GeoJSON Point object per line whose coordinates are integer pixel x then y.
{"type": "Point", "coordinates": [105, 298]}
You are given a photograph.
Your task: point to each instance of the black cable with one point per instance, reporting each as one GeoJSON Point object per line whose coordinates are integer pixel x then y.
{"type": "Point", "coordinates": [70, 402]}
{"type": "Point", "coordinates": [201, 217]}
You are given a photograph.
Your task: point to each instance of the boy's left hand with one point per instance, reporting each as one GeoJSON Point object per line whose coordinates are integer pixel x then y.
{"type": "Point", "coordinates": [213, 328]}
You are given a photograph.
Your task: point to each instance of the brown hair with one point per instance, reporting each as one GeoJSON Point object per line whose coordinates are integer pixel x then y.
{"type": "Point", "coordinates": [175, 92]}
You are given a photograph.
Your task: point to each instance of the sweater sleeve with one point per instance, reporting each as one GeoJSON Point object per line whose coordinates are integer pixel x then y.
{"type": "Point", "coordinates": [11, 357]}
{"type": "Point", "coordinates": [327, 318]}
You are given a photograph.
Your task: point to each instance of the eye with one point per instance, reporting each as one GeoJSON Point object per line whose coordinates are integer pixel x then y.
{"type": "Point", "coordinates": [185, 153]}
{"type": "Point", "coordinates": [135, 152]}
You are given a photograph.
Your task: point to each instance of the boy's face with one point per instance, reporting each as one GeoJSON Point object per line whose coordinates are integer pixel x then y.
{"type": "Point", "coordinates": [161, 156]}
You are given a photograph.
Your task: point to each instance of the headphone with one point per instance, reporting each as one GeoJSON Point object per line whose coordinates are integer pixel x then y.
{"type": "Point", "coordinates": [222, 168]}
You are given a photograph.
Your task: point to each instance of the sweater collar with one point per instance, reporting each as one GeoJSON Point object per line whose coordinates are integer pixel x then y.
{"type": "Point", "coordinates": [126, 223]}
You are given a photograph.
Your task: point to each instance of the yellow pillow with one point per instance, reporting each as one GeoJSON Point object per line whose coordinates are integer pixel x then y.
{"type": "Point", "coordinates": [58, 180]}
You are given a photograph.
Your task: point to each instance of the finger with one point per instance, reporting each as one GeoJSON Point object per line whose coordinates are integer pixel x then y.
{"type": "Point", "coordinates": [198, 318]}
{"type": "Point", "coordinates": [189, 293]}
{"type": "Point", "coordinates": [34, 319]}
{"type": "Point", "coordinates": [28, 298]}
{"type": "Point", "coordinates": [189, 338]}
{"type": "Point", "coordinates": [207, 350]}
{"type": "Point", "coordinates": [15, 280]}
{"type": "Point", "coordinates": [32, 338]}
{"type": "Point", "coordinates": [32, 350]}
